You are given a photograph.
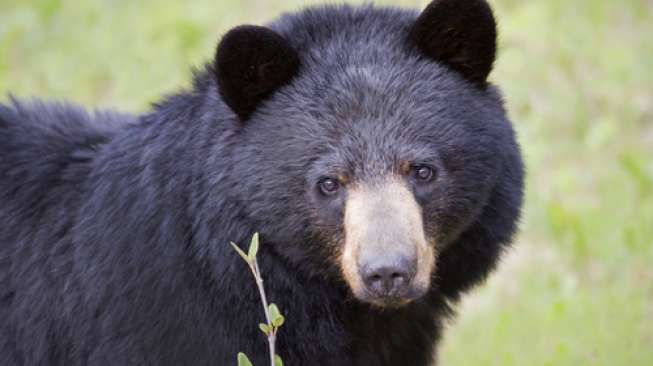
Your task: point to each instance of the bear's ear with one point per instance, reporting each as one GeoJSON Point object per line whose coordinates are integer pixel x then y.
{"type": "Point", "coordinates": [459, 33]}
{"type": "Point", "coordinates": [252, 62]}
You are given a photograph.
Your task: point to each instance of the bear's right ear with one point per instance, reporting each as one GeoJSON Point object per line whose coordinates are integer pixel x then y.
{"type": "Point", "coordinates": [250, 64]}
{"type": "Point", "coordinates": [459, 33]}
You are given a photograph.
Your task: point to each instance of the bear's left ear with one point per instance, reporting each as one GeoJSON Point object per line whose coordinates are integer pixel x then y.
{"type": "Point", "coordinates": [250, 64]}
{"type": "Point", "coordinates": [459, 33]}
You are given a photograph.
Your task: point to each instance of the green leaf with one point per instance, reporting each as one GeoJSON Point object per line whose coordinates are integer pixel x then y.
{"type": "Point", "coordinates": [264, 328]}
{"type": "Point", "coordinates": [274, 312]}
{"type": "Point", "coordinates": [253, 248]}
{"type": "Point", "coordinates": [278, 321]}
{"type": "Point", "coordinates": [240, 251]}
{"type": "Point", "coordinates": [243, 360]}
{"type": "Point", "coordinates": [277, 361]}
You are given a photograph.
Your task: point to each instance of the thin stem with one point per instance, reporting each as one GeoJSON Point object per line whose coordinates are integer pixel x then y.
{"type": "Point", "coordinates": [272, 336]}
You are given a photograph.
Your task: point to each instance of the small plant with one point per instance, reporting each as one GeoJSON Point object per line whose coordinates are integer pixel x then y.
{"type": "Point", "coordinates": [274, 318]}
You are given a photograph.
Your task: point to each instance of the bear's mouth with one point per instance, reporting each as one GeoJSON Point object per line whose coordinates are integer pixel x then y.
{"type": "Point", "coordinates": [392, 302]}
{"type": "Point", "coordinates": [386, 259]}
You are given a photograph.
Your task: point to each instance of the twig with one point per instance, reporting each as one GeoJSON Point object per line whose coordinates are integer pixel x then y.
{"type": "Point", "coordinates": [272, 334]}
{"type": "Point", "coordinates": [273, 317]}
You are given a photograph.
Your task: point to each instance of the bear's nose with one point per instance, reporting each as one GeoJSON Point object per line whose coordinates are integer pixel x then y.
{"type": "Point", "coordinates": [392, 279]}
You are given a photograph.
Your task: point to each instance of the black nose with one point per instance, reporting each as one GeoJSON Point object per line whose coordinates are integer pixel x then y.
{"type": "Point", "coordinates": [384, 279]}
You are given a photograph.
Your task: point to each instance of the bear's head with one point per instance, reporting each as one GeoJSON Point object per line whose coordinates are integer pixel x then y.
{"type": "Point", "coordinates": [368, 139]}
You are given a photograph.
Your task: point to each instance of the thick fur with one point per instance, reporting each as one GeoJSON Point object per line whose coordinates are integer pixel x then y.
{"type": "Point", "coordinates": [114, 246]}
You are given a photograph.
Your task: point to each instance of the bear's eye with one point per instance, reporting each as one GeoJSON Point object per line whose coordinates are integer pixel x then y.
{"type": "Point", "coordinates": [422, 173]}
{"type": "Point", "coordinates": [329, 186]}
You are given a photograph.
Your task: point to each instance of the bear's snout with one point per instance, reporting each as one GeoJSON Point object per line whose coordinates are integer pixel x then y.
{"type": "Point", "coordinates": [387, 259]}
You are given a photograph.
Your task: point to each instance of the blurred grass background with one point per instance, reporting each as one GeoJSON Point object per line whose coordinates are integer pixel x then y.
{"type": "Point", "coordinates": [578, 80]}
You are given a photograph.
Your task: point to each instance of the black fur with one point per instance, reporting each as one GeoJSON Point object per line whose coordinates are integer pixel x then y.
{"type": "Point", "coordinates": [462, 34]}
{"type": "Point", "coordinates": [252, 62]}
{"type": "Point", "coordinates": [114, 246]}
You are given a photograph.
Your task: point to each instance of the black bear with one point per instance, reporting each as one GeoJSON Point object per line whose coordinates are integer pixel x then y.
{"type": "Point", "coordinates": [366, 146]}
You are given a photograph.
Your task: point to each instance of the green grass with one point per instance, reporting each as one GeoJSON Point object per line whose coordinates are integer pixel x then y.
{"type": "Point", "coordinates": [578, 81]}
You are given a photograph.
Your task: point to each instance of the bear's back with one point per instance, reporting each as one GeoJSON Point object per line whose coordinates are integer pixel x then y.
{"type": "Point", "coordinates": [44, 147]}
